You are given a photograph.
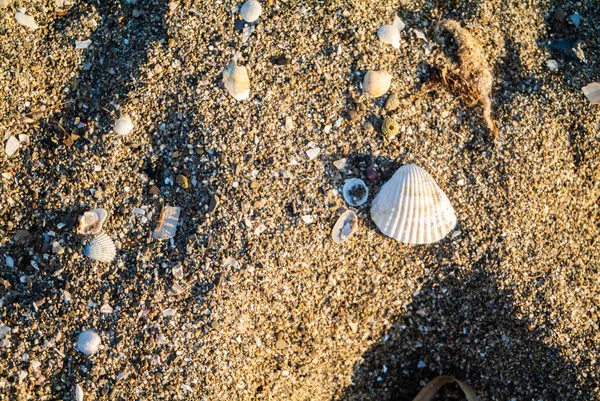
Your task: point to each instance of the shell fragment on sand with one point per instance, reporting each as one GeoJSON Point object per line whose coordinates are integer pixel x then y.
{"type": "Point", "coordinates": [12, 145]}
{"type": "Point", "coordinates": [390, 35]}
{"type": "Point", "coordinates": [355, 192]}
{"type": "Point", "coordinates": [412, 208]}
{"type": "Point", "coordinates": [236, 81]}
{"type": "Point", "coordinates": [167, 223]}
{"type": "Point", "coordinates": [592, 92]}
{"type": "Point", "coordinates": [26, 20]}
{"type": "Point", "coordinates": [376, 83]}
{"type": "Point", "coordinates": [91, 222]}
{"type": "Point", "coordinates": [346, 225]}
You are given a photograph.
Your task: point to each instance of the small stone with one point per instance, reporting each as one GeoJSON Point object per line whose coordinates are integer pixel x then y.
{"type": "Point", "coordinates": [421, 365]}
{"type": "Point", "coordinates": [576, 19]}
{"type": "Point", "coordinates": [312, 153]}
{"type": "Point", "coordinates": [57, 248]}
{"type": "Point", "coordinates": [10, 262]}
{"type": "Point", "coordinates": [340, 164]}
{"type": "Point", "coordinates": [214, 203]}
{"type": "Point", "coordinates": [177, 272]}
{"type": "Point", "coordinates": [182, 181]}
{"type": "Point", "coordinates": [136, 13]}
{"type": "Point", "coordinates": [367, 126]}
{"type": "Point", "coordinates": [390, 128]}
{"type": "Point", "coordinates": [552, 65]}
{"type": "Point", "coordinates": [308, 219]}
{"type": "Point", "coordinates": [392, 102]}
{"type": "Point", "coordinates": [106, 308]}
{"type": "Point", "coordinates": [154, 190]}
{"type": "Point", "coordinates": [280, 344]}
{"type": "Point", "coordinates": [353, 115]}
{"type": "Point", "coordinates": [371, 173]}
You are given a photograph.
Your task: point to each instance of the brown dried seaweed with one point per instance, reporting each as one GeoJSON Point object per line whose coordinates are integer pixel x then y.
{"type": "Point", "coordinates": [474, 69]}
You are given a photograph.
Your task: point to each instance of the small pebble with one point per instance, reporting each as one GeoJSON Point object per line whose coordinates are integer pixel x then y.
{"type": "Point", "coordinates": [182, 181]}
{"type": "Point", "coordinates": [552, 65]}
{"type": "Point", "coordinates": [312, 153]}
{"type": "Point", "coordinates": [392, 102]}
{"type": "Point", "coordinates": [340, 164]}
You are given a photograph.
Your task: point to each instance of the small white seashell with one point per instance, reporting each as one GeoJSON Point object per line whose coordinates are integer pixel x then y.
{"type": "Point", "coordinates": [376, 83]}
{"type": "Point", "coordinates": [167, 223]}
{"type": "Point", "coordinates": [251, 10]}
{"type": "Point", "coordinates": [355, 192]}
{"type": "Point", "coordinates": [88, 342]}
{"type": "Point", "coordinates": [412, 208]}
{"type": "Point", "coordinates": [91, 222]}
{"type": "Point", "coordinates": [308, 219]}
{"type": "Point", "coordinates": [78, 392]}
{"type": "Point", "coordinates": [26, 20]}
{"type": "Point", "coordinates": [346, 225]}
{"type": "Point", "coordinates": [102, 248]}
{"type": "Point", "coordinates": [123, 126]}
{"type": "Point", "coordinates": [12, 145]}
{"type": "Point", "coordinates": [390, 35]}
{"type": "Point", "coordinates": [312, 153]}
{"type": "Point", "coordinates": [236, 81]}
{"type": "Point", "coordinates": [399, 24]}
{"type": "Point", "coordinates": [592, 92]}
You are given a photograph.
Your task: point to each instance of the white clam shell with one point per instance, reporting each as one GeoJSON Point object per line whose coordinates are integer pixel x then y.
{"type": "Point", "coordinates": [91, 222]}
{"type": "Point", "coordinates": [236, 81]}
{"type": "Point", "coordinates": [123, 126]}
{"type": "Point", "coordinates": [251, 10]}
{"type": "Point", "coordinates": [592, 92]}
{"type": "Point", "coordinates": [390, 35]}
{"type": "Point", "coordinates": [346, 225]}
{"type": "Point", "coordinates": [355, 192]}
{"type": "Point", "coordinates": [88, 342]}
{"type": "Point", "coordinates": [102, 248]}
{"type": "Point", "coordinates": [412, 208]}
{"type": "Point", "coordinates": [376, 83]}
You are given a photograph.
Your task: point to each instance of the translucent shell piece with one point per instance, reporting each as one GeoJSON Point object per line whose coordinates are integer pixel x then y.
{"type": "Point", "coordinates": [376, 83]}
{"type": "Point", "coordinates": [251, 10]}
{"type": "Point", "coordinates": [390, 35]}
{"type": "Point", "coordinates": [91, 222]}
{"type": "Point", "coordinates": [236, 81]}
{"type": "Point", "coordinates": [345, 226]}
{"type": "Point", "coordinates": [412, 208]}
{"type": "Point", "coordinates": [592, 92]}
{"type": "Point", "coordinates": [167, 223]}
{"type": "Point", "coordinates": [102, 248]}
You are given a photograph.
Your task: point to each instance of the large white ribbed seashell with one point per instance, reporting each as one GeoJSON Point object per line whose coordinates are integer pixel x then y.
{"type": "Point", "coordinates": [102, 248]}
{"type": "Point", "coordinates": [376, 83]}
{"type": "Point", "coordinates": [91, 222]}
{"type": "Point", "coordinates": [412, 208]}
{"type": "Point", "coordinates": [88, 342]}
{"type": "Point", "coordinates": [389, 34]}
{"type": "Point", "coordinates": [123, 126]}
{"type": "Point", "coordinates": [236, 81]}
{"type": "Point", "coordinates": [251, 10]}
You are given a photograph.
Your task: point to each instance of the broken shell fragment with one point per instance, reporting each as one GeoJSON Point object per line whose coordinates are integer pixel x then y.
{"type": "Point", "coordinates": [88, 342]}
{"type": "Point", "coordinates": [102, 248]}
{"type": "Point", "coordinates": [412, 208]}
{"type": "Point", "coordinates": [592, 92]}
{"type": "Point", "coordinates": [123, 126]}
{"type": "Point", "coordinates": [251, 10]}
{"type": "Point", "coordinates": [236, 81]}
{"type": "Point", "coordinates": [26, 20]}
{"type": "Point", "coordinates": [167, 223]}
{"type": "Point", "coordinates": [91, 222]}
{"type": "Point", "coordinates": [376, 83]}
{"type": "Point", "coordinates": [399, 24]}
{"type": "Point", "coordinates": [355, 192]}
{"type": "Point", "coordinates": [390, 35]}
{"type": "Point", "coordinates": [12, 145]}
{"type": "Point", "coordinates": [346, 225]}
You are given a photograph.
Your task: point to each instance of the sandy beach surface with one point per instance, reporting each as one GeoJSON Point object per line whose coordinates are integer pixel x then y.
{"type": "Point", "coordinates": [252, 300]}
